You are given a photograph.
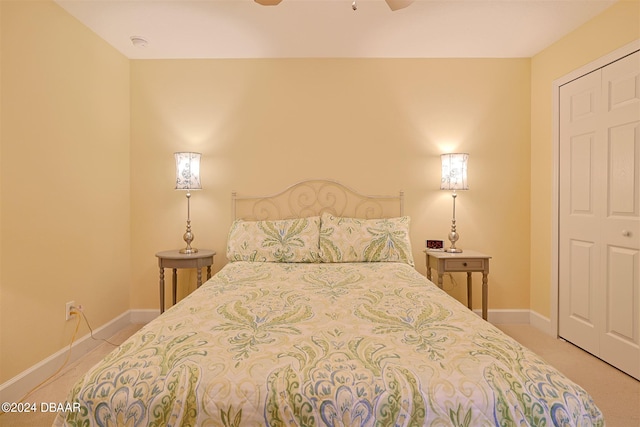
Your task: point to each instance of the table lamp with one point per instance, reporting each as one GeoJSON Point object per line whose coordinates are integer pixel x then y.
{"type": "Point", "coordinates": [188, 178]}
{"type": "Point", "coordinates": [454, 177]}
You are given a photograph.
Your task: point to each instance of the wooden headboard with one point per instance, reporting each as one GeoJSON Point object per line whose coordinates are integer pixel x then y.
{"type": "Point", "coordinates": [314, 197]}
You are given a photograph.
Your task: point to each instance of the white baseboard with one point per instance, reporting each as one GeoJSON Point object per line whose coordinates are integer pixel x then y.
{"type": "Point", "coordinates": [17, 387]}
{"type": "Point", "coordinates": [541, 322]}
{"type": "Point", "coordinates": [506, 316]}
{"type": "Point", "coordinates": [530, 317]}
{"type": "Point", "coordinates": [142, 316]}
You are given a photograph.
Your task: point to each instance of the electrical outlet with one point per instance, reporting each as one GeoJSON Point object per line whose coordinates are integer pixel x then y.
{"type": "Point", "coordinates": [67, 309]}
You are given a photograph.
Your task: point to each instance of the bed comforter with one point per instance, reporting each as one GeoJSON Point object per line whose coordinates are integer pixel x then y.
{"type": "Point", "coordinates": [352, 344]}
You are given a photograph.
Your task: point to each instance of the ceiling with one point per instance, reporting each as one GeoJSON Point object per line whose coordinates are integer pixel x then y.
{"type": "Point", "coordinates": [331, 28]}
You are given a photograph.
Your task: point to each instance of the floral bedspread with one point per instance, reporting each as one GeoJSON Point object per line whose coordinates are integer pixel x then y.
{"type": "Point", "coordinates": [352, 344]}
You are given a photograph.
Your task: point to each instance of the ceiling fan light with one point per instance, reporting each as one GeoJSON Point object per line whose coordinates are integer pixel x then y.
{"type": "Point", "coordinates": [398, 4]}
{"type": "Point", "coordinates": [138, 41]}
{"type": "Point", "coordinates": [268, 2]}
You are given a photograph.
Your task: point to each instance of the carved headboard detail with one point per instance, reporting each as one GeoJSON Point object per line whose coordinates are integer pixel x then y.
{"type": "Point", "coordinates": [314, 197]}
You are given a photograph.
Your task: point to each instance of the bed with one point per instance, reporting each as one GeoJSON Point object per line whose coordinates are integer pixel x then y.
{"type": "Point", "coordinates": [320, 319]}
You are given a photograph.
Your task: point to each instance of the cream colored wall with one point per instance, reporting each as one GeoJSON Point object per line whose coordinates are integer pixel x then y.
{"type": "Point", "coordinates": [64, 172]}
{"type": "Point", "coordinates": [1, 223]}
{"type": "Point", "coordinates": [376, 125]}
{"type": "Point", "coordinates": [612, 29]}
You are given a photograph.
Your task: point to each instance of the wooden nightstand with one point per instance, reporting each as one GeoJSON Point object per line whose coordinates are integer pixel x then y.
{"type": "Point", "coordinates": [174, 259]}
{"type": "Point", "coordinates": [467, 261]}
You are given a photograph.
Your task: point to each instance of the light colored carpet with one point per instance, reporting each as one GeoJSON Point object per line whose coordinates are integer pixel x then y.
{"type": "Point", "coordinates": [615, 393]}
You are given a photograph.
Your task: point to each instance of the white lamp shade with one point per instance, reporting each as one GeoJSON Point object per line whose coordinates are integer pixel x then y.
{"type": "Point", "coordinates": [454, 171]}
{"type": "Point", "coordinates": [188, 171]}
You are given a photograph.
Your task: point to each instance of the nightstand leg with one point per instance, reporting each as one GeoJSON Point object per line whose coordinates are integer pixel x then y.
{"type": "Point", "coordinates": [199, 277]}
{"type": "Point", "coordinates": [469, 291]}
{"type": "Point", "coordinates": [485, 295]}
{"type": "Point", "coordinates": [161, 290]}
{"type": "Point", "coordinates": [440, 279]}
{"type": "Point", "coordinates": [174, 282]}
{"type": "Point", "coordinates": [208, 272]}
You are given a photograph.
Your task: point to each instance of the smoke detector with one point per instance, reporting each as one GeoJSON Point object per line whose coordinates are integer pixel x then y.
{"type": "Point", "coordinates": [138, 41]}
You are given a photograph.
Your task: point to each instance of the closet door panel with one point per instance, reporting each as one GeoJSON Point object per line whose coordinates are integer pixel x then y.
{"type": "Point", "coordinates": [620, 341]}
{"type": "Point", "coordinates": [580, 210]}
{"type": "Point", "coordinates": [599, 237]}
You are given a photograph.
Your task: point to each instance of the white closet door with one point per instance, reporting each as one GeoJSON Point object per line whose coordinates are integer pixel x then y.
{"type": "Point", "coordinates": [620, 342]}
{"type": "Point", "coordinates": [599, 280]}
{"type": "Point", "coordinates": [580, 205]}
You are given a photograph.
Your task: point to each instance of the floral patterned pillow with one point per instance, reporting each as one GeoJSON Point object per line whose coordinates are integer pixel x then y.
{"type": "Point", "coordinates": [290, 240]}
{"type": "Point", "coordinates": [369, 240]}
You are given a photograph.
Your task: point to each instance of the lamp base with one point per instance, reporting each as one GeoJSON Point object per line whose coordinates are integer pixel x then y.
{"type": "Point", "coordinates": [453, 238]}
{"type": "Point", "coordinates": [188, 238]}
{"type": "Point", "coordinates": [453, 234]}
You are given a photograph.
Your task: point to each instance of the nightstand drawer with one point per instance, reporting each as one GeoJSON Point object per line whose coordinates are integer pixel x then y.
{"type": "Point", "coordinates": [463, 264]}
{"type": "Point", "coordinates": [468, 262]}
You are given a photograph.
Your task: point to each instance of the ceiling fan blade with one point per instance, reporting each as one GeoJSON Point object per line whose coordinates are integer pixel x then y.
{"type": "Point", "coordinates": [268, 2]}
{"type": "Point", "coordinates": [397, 4]}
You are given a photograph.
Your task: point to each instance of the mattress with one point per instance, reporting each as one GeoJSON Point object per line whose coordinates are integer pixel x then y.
{"type": "Point", "coordinates": [302, 344]}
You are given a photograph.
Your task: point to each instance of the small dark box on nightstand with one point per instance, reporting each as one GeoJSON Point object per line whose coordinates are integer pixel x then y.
{"type": "Point", "coordinates": [434, 244]}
